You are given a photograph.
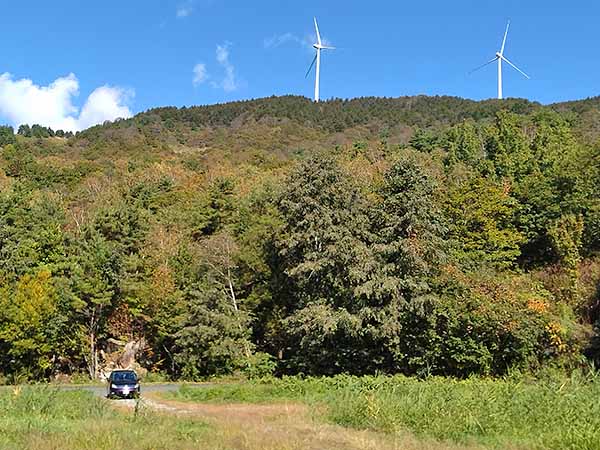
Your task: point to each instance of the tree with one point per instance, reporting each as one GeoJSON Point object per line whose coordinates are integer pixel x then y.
{"type": "Point", "coordinates": [30, 326]}
{"type": "Point", "coordinates": [481, 324]}
{"type": "Point", "coordinates": [220, 253]}
{"type": "Point", "coordinates": [508, 148]}
{"type": "Point", "coordinates": [24, 130]}
{"type": "Point", "coordinates": [481, 214]}
{"type": "Point", "coordinates": [463, 144]}
{"type": "Point", "coordinates": [560, 183]}
{"type": "Point", "coordinates": [353, 272]}
{"type": "Point", "coordinates": [214, 209]}
{"type": "Point", "coordinates": [566, 235]}
{"type": "Point", "coordinates": [409, 249]}
{"type": "Point", "coordinates": [210, 341]}
{"type": "Point", "coordinates": [409, 232]}
{"type": "Point", "coordinates": [38, 131]}
{"type": "Point", "coordinates": [323, 223]}
{"type": "Point", "coordinates": [321, 245]}
{"type": "Point", "coordinates": [95, 283]}
{"type": "Point", "coordinates": [7, 135]}
{"type": "Point", "coordinates": [424, 140]}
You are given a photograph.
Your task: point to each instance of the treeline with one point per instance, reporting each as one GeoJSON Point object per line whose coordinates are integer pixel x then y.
{"type": "Point", "coordinates": [292, 123]}
{"type": "Point", "coordinates": [331, 116]}
{"type": "Point", "coordinates": [472, 249]}
{"type": "Point", "coordinates": [38, 131]}
{"type": "Point", "coordinates": [7, 133]}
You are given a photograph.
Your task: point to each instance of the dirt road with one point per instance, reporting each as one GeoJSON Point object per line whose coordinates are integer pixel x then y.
{"type": "Point", "coordinates": [150, 388]}
{"type": "Point", "coordinates": [292, 426]}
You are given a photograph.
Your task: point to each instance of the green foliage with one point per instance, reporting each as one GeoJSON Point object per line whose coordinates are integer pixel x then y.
{"type": "Point", "coordinates": [321, 235]}
{"type": "Point", "coordinates": [355, 271]}
{"type": "Point", "coordinates": [213, 209]}
{"type": "Point", "coordinates": [214, 338]}
{"type": "Point", "coordinates": [483, 326]}
{"type": "Point", "coordinates": [424, 141]}
{"type": "Point", "coordinates": [481, 214]}
{"type": "Point", "coordinates": [19, 162]}
{"type": "Point", "coordinates": [30, 325]}
{"type": "Point", "coordinates": [566, 236]}
{"type": "Point", "coordinates": [276, 235]}
{"type": "Point", "coordinates": [322, 245]}
{"type": "Point", "coordinates": [463, 144]}
{"type": "Point", "coordinates": [33, 417]}
{"type": "Point", "coordinates": [557, 412]}
{"type": "Point", "coordinates": [409, 229]}
{"type": "Point", "coordinates": [507, 147]}
{"type": "Point", "coordinates": [123, 226]}
{"type": "Point", "coordinates": [7, 135]}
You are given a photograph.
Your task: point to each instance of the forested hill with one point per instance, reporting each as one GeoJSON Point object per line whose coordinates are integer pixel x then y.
{"type": "Point", "coordinates": [291, 122]}
{"type": "Point", "coordinates": [299, 117]}
{"type": "Point", "coordinates": [337, 115]}
{"type": "Point", "coordinates": [414, 235]}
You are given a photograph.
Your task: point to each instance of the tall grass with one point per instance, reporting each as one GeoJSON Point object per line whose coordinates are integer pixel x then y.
{"type": "Point", "coordinates": [48, 418]}
{"type": "Point", "coordinates": [558, 413]}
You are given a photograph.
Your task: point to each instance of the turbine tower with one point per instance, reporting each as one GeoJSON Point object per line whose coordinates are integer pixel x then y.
{"type": "Point", "coordinates": [317, 59]}
{"type": "Point", "coordinates": [501, 58]}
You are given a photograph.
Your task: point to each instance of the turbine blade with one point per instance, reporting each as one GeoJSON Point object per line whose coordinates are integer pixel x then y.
{"type": "Point", "coordinates": [311, 66]}
{"type": "Point", "coordinates": [324, 47]}
{"type": "Point", "coordinates": [504, 40]}
{"type": "Point", "coordinates": [483, 65]}
{"type": "Point", "coordinates": [516, 68]}
{"type": "Point", "coordinates": [318, 34]}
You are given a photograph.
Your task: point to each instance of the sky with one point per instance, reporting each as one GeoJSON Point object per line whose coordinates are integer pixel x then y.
{"type": "Point", "coordinates": [71, 64]}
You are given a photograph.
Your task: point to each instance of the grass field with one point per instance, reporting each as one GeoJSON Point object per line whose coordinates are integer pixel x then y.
{"type": "Point", "coordinates": [375, 413]}
{"type": "Point", "coordinates": [46, 418]}
{"type": "Point", "coordinates": [542, 414]}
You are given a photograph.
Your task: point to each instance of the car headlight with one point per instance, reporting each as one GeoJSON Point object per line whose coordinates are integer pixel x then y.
{"type": "Point", "coordinates": [114, 386]}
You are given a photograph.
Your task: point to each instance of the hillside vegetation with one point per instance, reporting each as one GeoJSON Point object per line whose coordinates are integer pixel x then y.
{"type": "Point", "coordinates": [422, 236]}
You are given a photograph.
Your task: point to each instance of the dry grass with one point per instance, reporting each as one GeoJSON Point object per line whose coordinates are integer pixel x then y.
{"type": "Point", "coordinates": [49, 419]}
{"type": "Point", "coordinates": [286, 426]}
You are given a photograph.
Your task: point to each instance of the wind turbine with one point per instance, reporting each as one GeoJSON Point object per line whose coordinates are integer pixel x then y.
{"type": "Point", "coordinates": [318, 46]}
{"type": "Point", "coordinates": [500, 58]}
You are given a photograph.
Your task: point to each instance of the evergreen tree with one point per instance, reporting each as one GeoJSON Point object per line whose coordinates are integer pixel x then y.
{"type": "Point", "coordinates": [7, 135]}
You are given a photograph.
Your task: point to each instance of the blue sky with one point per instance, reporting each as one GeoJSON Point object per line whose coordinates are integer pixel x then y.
{"type": "Point", "coordinates": [142, 54]}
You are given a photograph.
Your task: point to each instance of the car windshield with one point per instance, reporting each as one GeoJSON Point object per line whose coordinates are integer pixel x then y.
{"type": "Point", "coordinates": [124, 376]}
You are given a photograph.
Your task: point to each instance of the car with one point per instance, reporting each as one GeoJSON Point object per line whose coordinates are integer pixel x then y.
{"type": "Point", "coordinates": [123, 384]}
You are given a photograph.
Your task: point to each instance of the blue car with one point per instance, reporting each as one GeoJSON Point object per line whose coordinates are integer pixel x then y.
{"type": "Point", "coordinates": [123, 384]}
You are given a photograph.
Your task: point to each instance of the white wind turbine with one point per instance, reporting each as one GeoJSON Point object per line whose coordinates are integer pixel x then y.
{"type": "Point", "coordinates": [318, 46]}
{"type": "Point", "coordinates": [500, 57]}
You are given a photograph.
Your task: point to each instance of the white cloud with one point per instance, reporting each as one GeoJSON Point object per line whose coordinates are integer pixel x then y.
{"type": "Point", "coordinates": [23, 102]}
{"type": "Point", "coordinates": [105, 103]}
{"type": "Point", "coordinates": [184, 10]}
{"type": "Point", "coordinates": [279, 40]}
{"type": "Point", "coordinates": [200, 74]}
{"type": "Point", "coordinates": [282, 39]}
{"type": "Point", "coordinates": [229, 82]}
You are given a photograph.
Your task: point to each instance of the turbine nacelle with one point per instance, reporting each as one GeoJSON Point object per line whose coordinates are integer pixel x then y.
{"type": "Point", "coordinates": [498, 55]}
